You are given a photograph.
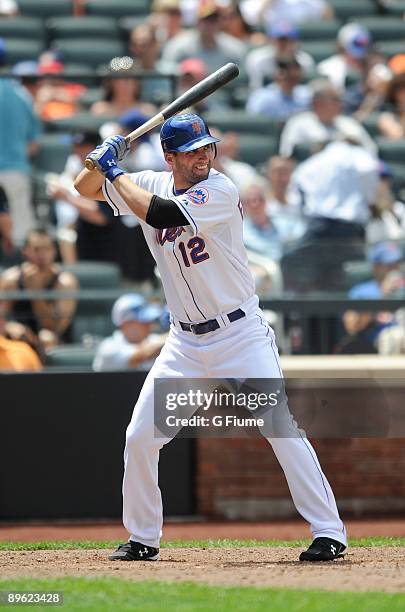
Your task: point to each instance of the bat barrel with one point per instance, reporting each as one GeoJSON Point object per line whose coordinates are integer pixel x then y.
{"type": "Point", "coordinates": [197, 93]}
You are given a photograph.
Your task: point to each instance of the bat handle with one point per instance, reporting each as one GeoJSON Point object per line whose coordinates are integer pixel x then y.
{"type": "Point", "coordinates": [89, 163]}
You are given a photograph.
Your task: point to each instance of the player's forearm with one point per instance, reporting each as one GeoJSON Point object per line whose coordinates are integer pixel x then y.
{"type": "Point", "coordinates": [136, 198]}
{"type": "Point", "coordinates": [89, 183]}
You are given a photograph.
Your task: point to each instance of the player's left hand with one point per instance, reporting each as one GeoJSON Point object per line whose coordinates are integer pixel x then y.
{"type": "Point", "coordinates": [105, 161]}
{"type": "Point", "coordinates": [119, 144]}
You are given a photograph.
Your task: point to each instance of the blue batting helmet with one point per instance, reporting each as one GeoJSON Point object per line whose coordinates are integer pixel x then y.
{"type": "Point", "coordinates": [185, 133]}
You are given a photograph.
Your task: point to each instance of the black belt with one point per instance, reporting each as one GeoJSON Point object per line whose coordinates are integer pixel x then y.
{"type": "Point", "coordinates": [212, 324]}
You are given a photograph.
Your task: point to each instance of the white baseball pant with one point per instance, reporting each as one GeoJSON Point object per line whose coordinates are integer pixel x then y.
{"type": "Point", "coordinates": [243, 349]}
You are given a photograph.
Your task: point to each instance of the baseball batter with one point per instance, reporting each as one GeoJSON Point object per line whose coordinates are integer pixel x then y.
{"type": "Point", "coordinates": [192, 219]}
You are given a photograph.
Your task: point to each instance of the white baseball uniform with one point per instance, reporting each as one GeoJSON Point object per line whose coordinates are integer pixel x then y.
{"type": "Point", "coordinates": [204, 271]}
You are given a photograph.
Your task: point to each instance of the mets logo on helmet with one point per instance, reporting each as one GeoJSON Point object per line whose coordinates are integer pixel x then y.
{"type": "Point", "coordinates": [198, 196]}
{"type": "Point", "coordinates": [197, 129]}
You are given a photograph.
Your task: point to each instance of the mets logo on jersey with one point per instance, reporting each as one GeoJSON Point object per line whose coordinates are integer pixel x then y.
{"type": "Point", "coordinates": [198, 196]}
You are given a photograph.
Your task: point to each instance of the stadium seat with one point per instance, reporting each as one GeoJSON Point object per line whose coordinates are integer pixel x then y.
{"type": "Point", "coordinates": [118, 8]}
{"type": "Point", "coordinates": [320, 50]}
{"type": "Point", "coordinates": [395, 7]}
{"type": "Point", "coordinates": [255, 149]}
{"type": "Point", "coordinates": [94, 316]}
{"type": "Point", "coordinates": [82, 27]}
{"type": "Point", "coordinates": [349, 10]}
{"type": "Point", "coordinates": [371, 124]}
{"type": "Point", "coordinates": [319, 30]}
{"type": "Point", "coordinates": [94, 52]}
{"type": "Point", "coordinates": [22, 27]}
{"type": "Point", "coordinates": [45, 8]}
{"type": "Point", "coordinates": [90, 96]}
{"type": "Point", "coordinates": [390, 47]}
{"type": "Point", "coordinates": [73, 355]}
{"type": "Point", "coordinates": [79, 122]}
{"type": "Point", "coordinates": [392, 150]}
{"type": "Point", "coordinates": [52, 153]}
{"type": "Point", "coordinates": [242, 122]}
{"type": "Point", "coordinates": [384, 28]}
{"type": "Point", "coordinates": [96, 275]}
{"type": "Point", "coordinates": [355, 272]}
{"type": "Point", "coordinates": [21, 49]}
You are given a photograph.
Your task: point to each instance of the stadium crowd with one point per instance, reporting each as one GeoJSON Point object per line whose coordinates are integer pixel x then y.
{"type": "Point", "coordinates": [312, 134]}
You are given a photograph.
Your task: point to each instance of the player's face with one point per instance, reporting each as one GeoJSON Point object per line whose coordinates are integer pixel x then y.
{"type": "Point", "coordinates": [191, 167]}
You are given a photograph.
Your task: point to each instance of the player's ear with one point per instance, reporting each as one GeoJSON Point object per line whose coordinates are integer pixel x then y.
{"type": "Point", "coordinates": [169, 157]}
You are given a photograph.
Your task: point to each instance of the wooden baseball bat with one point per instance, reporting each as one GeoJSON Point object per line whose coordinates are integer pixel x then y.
{"type": "Point", "coordinates": [195, 94]}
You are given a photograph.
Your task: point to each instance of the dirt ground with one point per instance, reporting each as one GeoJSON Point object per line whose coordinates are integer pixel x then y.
{"type": "Point", "coordinates": [196, 530]}
{"type": "Point", "coordinates": [363, 569]}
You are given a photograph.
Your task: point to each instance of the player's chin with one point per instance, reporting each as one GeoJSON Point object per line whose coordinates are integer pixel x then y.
{"type": "Point", "coordinates": [201, 175]}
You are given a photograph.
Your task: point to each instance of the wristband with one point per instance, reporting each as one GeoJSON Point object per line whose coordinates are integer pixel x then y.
{"type": "Point", "coordinates": [113, 172]}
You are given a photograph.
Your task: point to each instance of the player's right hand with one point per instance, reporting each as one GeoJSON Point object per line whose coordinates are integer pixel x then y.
{"type": "Point", "coordinates": [103, 158]}
{"type": "Point", "coordinates": [119, 145]}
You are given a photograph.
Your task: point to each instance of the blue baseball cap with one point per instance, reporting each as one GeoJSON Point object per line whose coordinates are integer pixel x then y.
{"type": "Point", "coordinates": [283, 29]}
{"type": "Point", "coordinates": [134, 307]}
{"type": "Point", "coordinates": [132, 120]}
{"type": "Point", "coordinates": [385, 253]}
{"type": "Point", "coordinates": [355, 39]}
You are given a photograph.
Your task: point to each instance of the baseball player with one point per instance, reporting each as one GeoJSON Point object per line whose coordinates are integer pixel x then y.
{"type": "Point", "coordinates": [192, 220]}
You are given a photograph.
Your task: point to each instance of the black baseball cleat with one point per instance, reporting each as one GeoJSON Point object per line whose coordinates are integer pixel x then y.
{"type": "Point", "coordinates": [134, 551]}
{"type": "Point", "coordinates": [323, 549]}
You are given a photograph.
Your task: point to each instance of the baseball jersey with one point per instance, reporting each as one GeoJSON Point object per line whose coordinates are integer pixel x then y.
{"type": "Point", "coordinates": [203, 265]}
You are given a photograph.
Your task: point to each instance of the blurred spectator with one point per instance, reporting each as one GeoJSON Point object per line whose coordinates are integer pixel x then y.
{"type": "Point", "coordinates": [133, 345]}
{"type": "Point", "coordinates": [146, 152]}
{"type": "Point", "coordinates": [49, 320]}
{"type": "Point", "coordinates": [166, 17]}
{"type": "Point", "coordinates": [122, 90]}
{"type": "Point", "coordinates": [259, 233]}
{"type": "Point", "coordinates": [206, 42]}
{"type": "Point", "coordinates": [397, 63]}
{"type": "Point", "coordinates": [354, 46]}
{"type": "Point", "coordinates": [364, 328]}
{"type": "Point", "coordinates": [324, 123]}
{"type": "Point", "coordinates": [84, 226]}
{"type": "Point", "coordinates": [385, 258]}
{"type": "Point", "coordinates": [56, 98]}
{"type": "Point", "coordinates": [368, 97]}
{"type": "Point", "coordinates": [27, 73]}
{"type": "Point", "coordinates": [227, 160]}
{"type": "Point", "coordinates": [337, 187]}
{"type": "Point", "coordinates": [388, 214]}
{"type": "Point", "coordinates": [192, 71]}
{"type": "Point", "coordinates": [8, 8]}
{"type": "Point", "coordinates": [261, 63]}
{"type": "Point", "coordinates": [6, 237]}
{"type": "Point", "coordinates": [283, 203]}
{"type": "Point", "coordinates": [15, 356]}
{"type": "Point", "coordinates": [145, 51]}
{"type": "Point", "coordinates": [233, 23]}
{"type": "Point", "coordinates": [391, 340]}
{"type": "Point", "coordinates": [19, 133]}
{"type": "Point", "coordinates": [392, 124]}
{"type": "Point", "coordinates": [285, 96]}
{"type": "Point", "coordinates": [294, 11]}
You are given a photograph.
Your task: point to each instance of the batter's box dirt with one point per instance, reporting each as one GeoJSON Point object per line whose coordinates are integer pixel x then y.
{"type": "Point", "coordinates": [363, 569]}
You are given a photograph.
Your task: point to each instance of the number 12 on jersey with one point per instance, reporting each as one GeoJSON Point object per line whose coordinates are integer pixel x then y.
{"type": "Point", "coordinates": [194, 250]}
